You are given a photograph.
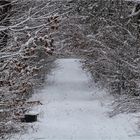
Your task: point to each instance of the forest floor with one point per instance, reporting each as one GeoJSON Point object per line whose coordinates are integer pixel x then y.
{"type": "Point", "coordinates": [75, 109]}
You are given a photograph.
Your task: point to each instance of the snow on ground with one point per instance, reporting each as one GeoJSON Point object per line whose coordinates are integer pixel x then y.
{"type": "Point", "coordinates": [74, 110]}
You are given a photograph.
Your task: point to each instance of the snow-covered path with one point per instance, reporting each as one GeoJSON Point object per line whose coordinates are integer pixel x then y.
{"type": "Point", "coordinates": [74, 110]}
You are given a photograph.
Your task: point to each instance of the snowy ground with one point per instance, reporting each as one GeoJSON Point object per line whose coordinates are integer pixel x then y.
{"type": "Point", "coordinates": [74, 110]}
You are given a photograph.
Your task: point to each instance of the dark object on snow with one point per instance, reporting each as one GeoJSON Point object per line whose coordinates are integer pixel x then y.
{"type": "Point", "coordinates": [29, 118]}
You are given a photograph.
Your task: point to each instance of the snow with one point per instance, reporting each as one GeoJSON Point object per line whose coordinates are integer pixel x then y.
{"type": "Point", "coordinates": [73, 109]}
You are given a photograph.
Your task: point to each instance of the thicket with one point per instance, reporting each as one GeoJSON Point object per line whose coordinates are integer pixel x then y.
{"type": "Point", "coordinates": [107, 34]}
{"type": "Point", "coordinates": [27, 39]}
